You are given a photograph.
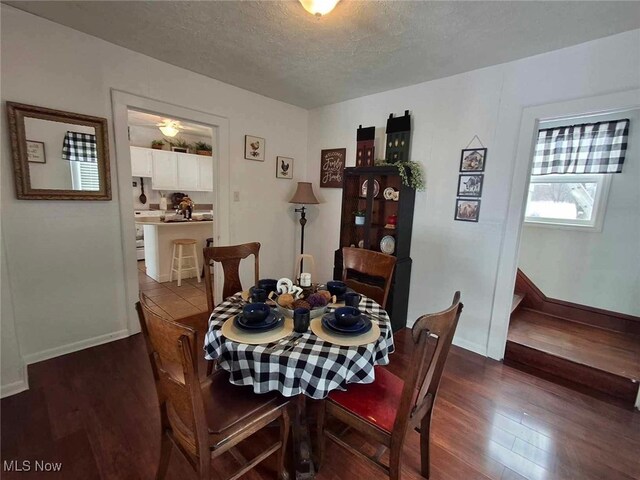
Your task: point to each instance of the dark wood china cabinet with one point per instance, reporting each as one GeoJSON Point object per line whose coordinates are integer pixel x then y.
{"type": "Point", "coordinates": [379, 192]}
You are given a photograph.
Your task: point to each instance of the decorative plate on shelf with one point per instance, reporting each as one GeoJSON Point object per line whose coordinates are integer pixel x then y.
{"type": "Point", "coordinates": [388, 193]}
{"type": "Point", "coordinates": [387, 244]}
{"type": "Point", "coordinates": [376, 188]}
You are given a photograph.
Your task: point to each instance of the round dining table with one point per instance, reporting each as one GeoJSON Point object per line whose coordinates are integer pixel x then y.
{"type": "Point", "coordinates": [299, 365]}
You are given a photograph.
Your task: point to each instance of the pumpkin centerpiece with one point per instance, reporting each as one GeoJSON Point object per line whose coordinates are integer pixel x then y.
{"type": "Point", "coordinates": [291, 296]}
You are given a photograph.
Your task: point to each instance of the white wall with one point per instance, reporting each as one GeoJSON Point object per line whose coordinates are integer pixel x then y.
{"type": "Point", "coordinates": [447, 113]}
{"type": "Point", "coordinates": [599, 269]}
{"type": "Point", "coordinates": [12, 368]}
{"type": "Point", "coordinates": [65, 259]}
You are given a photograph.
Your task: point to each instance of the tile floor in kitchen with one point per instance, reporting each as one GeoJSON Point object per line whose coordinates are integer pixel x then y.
{"type": "Point", "coordinates": [170, 300]}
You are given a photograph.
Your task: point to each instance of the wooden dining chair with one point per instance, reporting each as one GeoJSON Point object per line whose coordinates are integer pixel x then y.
{"type": "Point", "coordinates": [368, 272]}
{"type": "Point", "coordinates": [385, 410]}
{"type": "Point", "coordinates": [203, 420]}
{"type": "Point", "coordinates": [230, 258]}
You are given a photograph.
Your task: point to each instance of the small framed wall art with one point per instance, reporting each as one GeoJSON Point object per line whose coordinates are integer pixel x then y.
{"type": "Point", "coordinates": [35, 152]}
{"type": "Point", "coordinates": [284, 167]}
{"type": "Point", "coordinates": [332, 163]}
{"type": "Point", "coordinates": [467, 210]}
{"type": "Point", "coordinates": [470, 185]}
{"type": "Point", "coordinates": [254, 148]}
{"type": "Point", "coordinates": [473, 159]}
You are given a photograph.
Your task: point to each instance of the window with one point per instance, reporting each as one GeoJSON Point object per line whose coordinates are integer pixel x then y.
{"type": "Point", "coordinates": [84, 176]}
{"type": "Point", "coordinates": [577, 201]}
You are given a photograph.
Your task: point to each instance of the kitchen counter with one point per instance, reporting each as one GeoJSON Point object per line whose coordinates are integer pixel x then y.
{"type": "Point", "coordinates": [158, 244]}
{"type": "Point", "coordinates": [165, 224]}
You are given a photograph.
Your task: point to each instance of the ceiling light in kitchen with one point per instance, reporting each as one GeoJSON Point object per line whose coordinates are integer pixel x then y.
{"type": "Point", "coordinates": [169, 128]}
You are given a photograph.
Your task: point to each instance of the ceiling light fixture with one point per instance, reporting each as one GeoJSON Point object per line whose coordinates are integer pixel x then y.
{"type": "Point", "coordinates": [169, 128]}
{"type": "Point", "coordinates": [319, 7]}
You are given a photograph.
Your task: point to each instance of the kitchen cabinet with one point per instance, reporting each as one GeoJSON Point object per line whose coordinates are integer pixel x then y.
{"type": "Point", "coordinates": [141, 162]}
{"type": "Point", "coordinates": [173, 170]}
{"type": "Point", "coordinates": [188, 172]}
{"type": "Point", "coordinates": [165, 170]}
{"type": "Point", "coordinates": [205, 173]}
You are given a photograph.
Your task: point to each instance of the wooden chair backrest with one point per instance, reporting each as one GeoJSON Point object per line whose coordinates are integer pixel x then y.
{"type": "Point", "coordinates": [171, 347]}
{"type": "Point", "coordinates": [371, 264]}
{"type": "Point", "coordinates": [230, 258]}
{"type": "Point", "coordinates": [432, 335]}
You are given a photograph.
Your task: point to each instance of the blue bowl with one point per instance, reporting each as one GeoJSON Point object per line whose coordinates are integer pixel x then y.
{"type": "Point", "coordinates": [347, 316]}
{"type": "Point", "coordinates": [269, 284]}
{"type": "Point", "coordinates": [336, 288]}
{"type": "Point", "coordinates": [255, 312]}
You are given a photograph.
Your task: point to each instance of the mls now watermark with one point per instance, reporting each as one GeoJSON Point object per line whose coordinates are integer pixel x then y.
{"type": "Point", "coordinates": [31, 466]}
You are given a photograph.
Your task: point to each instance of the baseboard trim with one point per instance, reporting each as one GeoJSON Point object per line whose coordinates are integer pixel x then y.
{"type": "Point", "coordinates": [16, 387]}
{"type": "Point", "coordinates": [75, 346]}
{"type": "Point", "coordinates": [13, 388]}
{"type": "Point", "coordinates": [471, 346]}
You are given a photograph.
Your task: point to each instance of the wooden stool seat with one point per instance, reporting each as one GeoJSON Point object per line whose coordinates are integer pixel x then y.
{"type": "Point", "coordinates": [184, 241]}
{"type": "Point", "coordinates": [179, 255]}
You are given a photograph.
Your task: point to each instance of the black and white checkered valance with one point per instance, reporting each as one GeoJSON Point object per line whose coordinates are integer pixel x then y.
{"type": "Point", "coordinates": [587, 148]}
{"type": "Point", "coordinates": [80, 147]}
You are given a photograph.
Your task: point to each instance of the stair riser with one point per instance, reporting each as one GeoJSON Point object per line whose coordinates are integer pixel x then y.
{"type": "Point", "coordinates": [564, 371]}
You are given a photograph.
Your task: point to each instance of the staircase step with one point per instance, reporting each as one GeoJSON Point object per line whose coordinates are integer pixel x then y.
{"type": "Point", "coordinates": [590, 356]}
{"type": "Point", "coordinates": [517, 300]}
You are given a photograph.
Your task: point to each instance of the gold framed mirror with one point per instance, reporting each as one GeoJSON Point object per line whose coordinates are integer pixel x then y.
{"type": "Point", "coordinates": [58, 155]}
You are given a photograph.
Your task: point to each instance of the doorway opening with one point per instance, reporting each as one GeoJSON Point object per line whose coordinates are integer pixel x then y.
{"type": "Point", "coordinates": [173, 159]}
{"type": "Point", "coordinates": [575, 315]}
{"type": "Point", "coordinates": [180, 156]}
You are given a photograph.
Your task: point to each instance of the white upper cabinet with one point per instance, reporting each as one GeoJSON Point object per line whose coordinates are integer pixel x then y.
{"type": "Point", "coordinates": [205, 173]}
{"type": "Point", "coordinates": [165, 170]}
{"type": "Point", "coordinates": [173, 170]}
{"type": "Point", "coordinates": [187, 172]}
{"type": "Point", "coordinates": [141, 162]}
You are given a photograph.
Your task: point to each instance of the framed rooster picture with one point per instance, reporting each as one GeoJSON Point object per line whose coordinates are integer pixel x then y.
{"type": "Point", "coordinates": [284, 167]}
{"type": "Point", "coordinates": [254, 148]}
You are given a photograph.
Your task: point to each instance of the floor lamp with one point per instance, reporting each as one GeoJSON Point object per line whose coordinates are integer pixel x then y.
{"type": "Point", "coordinates": [303, 196]}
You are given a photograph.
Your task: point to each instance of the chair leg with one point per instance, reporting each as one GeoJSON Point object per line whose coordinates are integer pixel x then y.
{"type": "Point", "coordinates": [173, 259]}
{"type": "Point", "coordinates": [425, 427]}
{"type": "Point", "coordinates": [209, 367]}
{"type": "Point", "coordinates": [165, 456]}
{"type": "Point", "coordinates": [284, 435]}
{"type": "Point", "coordinates": [195, 259]}
{"type": "Point", "coordinates": [322, 413]}
{"type": "Point", "coordinates": [180, 265]}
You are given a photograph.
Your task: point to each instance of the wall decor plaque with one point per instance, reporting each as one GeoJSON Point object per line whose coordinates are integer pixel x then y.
{"type": "Point", "coordinates": [332, 163]}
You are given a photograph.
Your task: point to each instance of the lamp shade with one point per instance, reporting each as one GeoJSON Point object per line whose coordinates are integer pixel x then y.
{"type": "Point", "coordinates": [304, 194]}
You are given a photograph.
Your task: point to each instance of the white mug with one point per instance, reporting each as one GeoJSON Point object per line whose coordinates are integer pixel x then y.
{"type": "Point", "coordinates": [305, 279]}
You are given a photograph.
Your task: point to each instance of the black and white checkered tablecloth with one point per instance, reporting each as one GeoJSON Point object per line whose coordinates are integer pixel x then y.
{"type": "Point", "coordinates": [313, 367]}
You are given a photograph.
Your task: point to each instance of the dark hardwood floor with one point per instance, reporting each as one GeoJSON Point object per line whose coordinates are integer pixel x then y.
{"type": "Point", "coordinates": [96, 412]}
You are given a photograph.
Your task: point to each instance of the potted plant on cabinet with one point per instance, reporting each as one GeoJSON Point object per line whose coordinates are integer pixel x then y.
{"type": "Point", "coordinates": [157, 144]}
{"type": "Point", "coordinates": [179, 145]}
{"type": "Point", "coordinates": [359, 214]}
{"type": "Point", "coordinates": [203, 148]}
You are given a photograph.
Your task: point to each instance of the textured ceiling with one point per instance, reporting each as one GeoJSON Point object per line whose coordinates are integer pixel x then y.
{"type": "Point", "coordinates": [277, 49]}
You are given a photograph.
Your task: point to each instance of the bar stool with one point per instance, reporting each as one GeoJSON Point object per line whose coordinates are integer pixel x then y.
{"type": "Point", "coordinates": [178, 246]}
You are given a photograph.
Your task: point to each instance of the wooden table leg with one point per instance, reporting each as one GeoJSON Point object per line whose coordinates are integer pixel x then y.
{"type": "Point", "coordinates": [302, 441]}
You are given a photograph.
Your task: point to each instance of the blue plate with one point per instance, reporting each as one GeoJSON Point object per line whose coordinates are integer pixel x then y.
{"type": "Point", "coordinates": [361, 326]}
{"type": "Point", "coordinates": [272, 321]}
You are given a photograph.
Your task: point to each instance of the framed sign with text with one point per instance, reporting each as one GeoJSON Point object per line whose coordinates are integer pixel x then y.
{"type": "Point", "coordinates": [332, 163]}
